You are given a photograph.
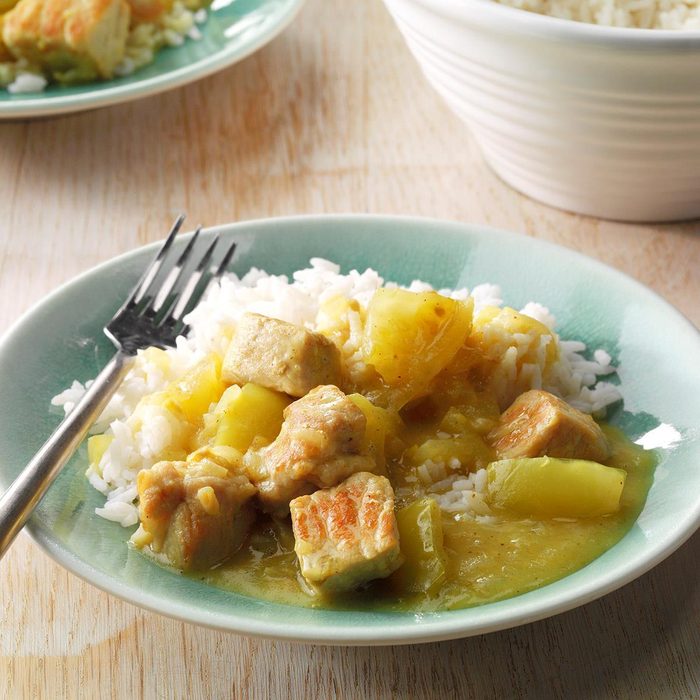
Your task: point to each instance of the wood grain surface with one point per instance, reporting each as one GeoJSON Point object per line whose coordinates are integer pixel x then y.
{"type": "Point", "coordinates": [333, 116]}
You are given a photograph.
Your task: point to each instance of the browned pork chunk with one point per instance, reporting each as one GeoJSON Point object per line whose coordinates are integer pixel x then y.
{"type": "Point", "coordinates": [318, 446]}
{"type": "Point", "coordinates": [196, 514]}
{"type": "Point", "coordinates": [538, 424]}
{"type": "Point", "coordinates": [347, 535]}
{"type": "Point", "coordinates": [281, 356]}
{"type": "Point", "coordinates": [148, 10]}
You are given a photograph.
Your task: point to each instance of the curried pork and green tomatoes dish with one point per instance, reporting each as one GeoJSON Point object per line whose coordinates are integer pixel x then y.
{"type": "Point", "coordinates": [336, 441]}
{"type": "Point", "coordinates": [79, 41]}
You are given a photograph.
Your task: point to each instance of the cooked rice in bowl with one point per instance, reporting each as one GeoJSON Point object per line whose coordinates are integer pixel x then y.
{"type": "Point", "coordinates": [140, 433]}
{"type": "Point", "coordinates": [640, 14]}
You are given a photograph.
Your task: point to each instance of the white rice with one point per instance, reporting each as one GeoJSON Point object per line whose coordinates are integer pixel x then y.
{"type": "Point", "coordinates": [140, 435]}
{"type": "Point", "coordinates": [641, 14]}
{"type": "Point", "coordinates": [458, 494]}
{"type": "Point", "coordinates": [26, 81]}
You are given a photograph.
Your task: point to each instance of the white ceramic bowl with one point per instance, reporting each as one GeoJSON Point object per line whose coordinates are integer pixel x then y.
{"type": "Point", "coordinates": [598, 120]}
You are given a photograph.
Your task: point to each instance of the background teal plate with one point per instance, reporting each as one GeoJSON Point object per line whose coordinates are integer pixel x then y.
{"type": "Point", "coordinates": [234, 30]}
{"type": "Point", "coordinates": [61, 339]}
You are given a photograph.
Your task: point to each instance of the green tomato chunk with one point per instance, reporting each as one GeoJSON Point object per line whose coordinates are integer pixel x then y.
{"type": "Point", "coordinates": [420, 534]}
{"type": "Point", "coordinates": [247, 413]}
{"type": "Point", "coordinates": [547, 487]}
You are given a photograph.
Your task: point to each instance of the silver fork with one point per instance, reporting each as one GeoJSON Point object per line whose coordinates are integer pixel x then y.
{"type": "Point", "coordinates": [152, 315]}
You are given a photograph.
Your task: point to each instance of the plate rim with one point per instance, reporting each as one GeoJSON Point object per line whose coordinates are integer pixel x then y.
{"type": "Point", "coordinates": [349, 634]}
{"type": "Point", "coordinates": [107, 95]}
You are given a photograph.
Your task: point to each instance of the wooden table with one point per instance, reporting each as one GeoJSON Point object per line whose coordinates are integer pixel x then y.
{"type": "Point", "coordinates": [333, 116]}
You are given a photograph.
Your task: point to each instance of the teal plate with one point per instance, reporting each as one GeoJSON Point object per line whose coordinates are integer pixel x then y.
{"type": "Point", "coordinates": [234, 29]}
{"type": "Point", "coordinates": [61, 339]}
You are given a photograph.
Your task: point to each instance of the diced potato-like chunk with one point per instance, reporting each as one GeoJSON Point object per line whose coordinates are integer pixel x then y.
{"type": "Point", "coordinates": [425, 561]}
{"type": "Point", "coordinates": [320, 444]}
{"type": "Point", "coordinates": [223, 455]}
{"type": "Point", "coordinates": [96, 446]}
{"type": "Point", "coordinates": [544, 487]}
{"type": "Point", "coordinates": [470, 451]}
{"type": "Point", "coordinates": [465, 419]}
{"type": "Point", "coordinates": [538, 424]}
{"type": "Point", "coordinates": [280, 356]}
{"type": "Point", "coordinates": [156, 356]}
{"type": "Point", "coordinates": [73, 40]}
{"type": "Point", "coordinates": [192, 395]}
{"type": "Point", "coordinates": [492, 321]}
{"type": "Point", "coordinates": [251, 412]}
{"type": "Point", "coordinates": [333, 318]}
{"type": "Point", "coordinates": [347, 535]}
{"type": "Point", "coordinates": [380, 423]}
{"type": "Point", "coordinates": [178, 411]}
{"type": "Point", "coordinates": [409, 337]}
{"type": "Point", "coordinates": [195, 514]}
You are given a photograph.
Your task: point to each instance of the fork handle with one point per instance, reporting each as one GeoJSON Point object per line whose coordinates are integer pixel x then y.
{"type": "Point", "coordinates": [25, 492]}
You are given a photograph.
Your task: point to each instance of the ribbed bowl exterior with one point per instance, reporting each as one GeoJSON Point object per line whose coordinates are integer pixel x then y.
{"type": "Point", "coordinates": [589, 123]}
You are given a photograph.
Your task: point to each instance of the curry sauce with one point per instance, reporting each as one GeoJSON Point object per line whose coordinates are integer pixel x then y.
{"type": "Point", "coordinates": [487, 561]}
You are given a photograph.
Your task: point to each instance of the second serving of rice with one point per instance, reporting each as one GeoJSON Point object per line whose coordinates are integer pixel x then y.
{"type": "Point", "coordinates": [139, 439]}
{"type": "Point", "coordinates": [640, 14]}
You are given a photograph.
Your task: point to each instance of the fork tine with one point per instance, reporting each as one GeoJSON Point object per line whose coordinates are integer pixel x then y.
{"type": "Point", "coordinates": [225, 261]}
{"type": "Point", "coordinates": [174, 276]}
{"type": "Point", "coordinates": [157, 317]}
{"type": "Point", "coordinates": [152, 270]}
{"type": "Point", "coordinates": [191, 285]}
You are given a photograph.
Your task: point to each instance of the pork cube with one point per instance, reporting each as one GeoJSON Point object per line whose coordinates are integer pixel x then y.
{"type": "Point", "coordinates": [73, 40]}
{"type": "Point", "coordinates": [347, 535]}
{"type": "Point", "coordinates": [195, 514]}
{"type": "Point", "coordinates": [538, 424]}
{"type": "Point", "coordinates": [281, 356]}
{"type": "Point", "coordinates": [319, 445]}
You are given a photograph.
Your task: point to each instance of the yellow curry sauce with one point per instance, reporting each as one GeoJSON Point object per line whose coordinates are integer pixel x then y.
{"type": "Point", "coordinates": [430, 402]}
{"type": "Point", "coordinates": [486, 562]}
